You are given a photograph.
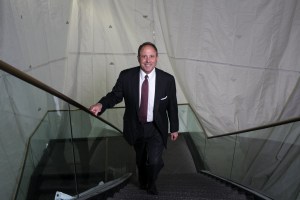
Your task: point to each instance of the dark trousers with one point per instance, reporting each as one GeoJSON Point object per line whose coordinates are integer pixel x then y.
{"type": "Point", "coordinates": [149, 148]}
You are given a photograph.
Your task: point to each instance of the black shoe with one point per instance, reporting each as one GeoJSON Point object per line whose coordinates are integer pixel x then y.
{"type": "Point", "coordinates": [152, 190]}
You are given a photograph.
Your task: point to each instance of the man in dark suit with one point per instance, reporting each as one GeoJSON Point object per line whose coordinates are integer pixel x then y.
{"type": "Point", "coordinates": [150, 99]}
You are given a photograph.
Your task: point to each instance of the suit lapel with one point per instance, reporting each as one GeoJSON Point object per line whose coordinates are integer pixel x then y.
{"type": "Point", "coordinates": [136, 85]}
{"type": "Point", "coordinates": [158, 91]}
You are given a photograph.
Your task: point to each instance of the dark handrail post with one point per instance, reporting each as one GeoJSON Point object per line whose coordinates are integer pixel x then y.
{"type": "Point", "coordinates": [106, 159]}
{"type": "Point", "coordinates": [73, 150]}
{"type": "Point", "coordinates": [234, 149]}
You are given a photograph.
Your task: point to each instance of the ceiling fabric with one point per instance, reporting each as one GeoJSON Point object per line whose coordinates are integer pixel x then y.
{"type": "Point", "coordinates": [235, 62]}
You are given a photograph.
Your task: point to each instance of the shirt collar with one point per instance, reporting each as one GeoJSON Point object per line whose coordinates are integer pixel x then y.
{"type": "Point", "coordinates": [150, 75]}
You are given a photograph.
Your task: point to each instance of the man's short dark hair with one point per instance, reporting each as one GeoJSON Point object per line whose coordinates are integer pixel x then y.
{"type": "Point", "coordinates": [145, 44]}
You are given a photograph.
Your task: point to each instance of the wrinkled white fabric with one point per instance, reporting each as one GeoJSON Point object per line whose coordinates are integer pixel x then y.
{"type": "Point", "coordinates": [236, 62]}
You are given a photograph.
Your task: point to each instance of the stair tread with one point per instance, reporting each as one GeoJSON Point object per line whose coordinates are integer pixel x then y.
{"type": "Point", "coordinates": [181, 187]}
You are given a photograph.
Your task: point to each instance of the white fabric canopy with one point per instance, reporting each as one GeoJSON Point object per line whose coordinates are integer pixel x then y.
{"type": "Point", "coordinates": [236, 62]}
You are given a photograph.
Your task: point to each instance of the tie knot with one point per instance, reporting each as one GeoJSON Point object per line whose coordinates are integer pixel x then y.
{"type": "Point", "coordinates": [146, 77]}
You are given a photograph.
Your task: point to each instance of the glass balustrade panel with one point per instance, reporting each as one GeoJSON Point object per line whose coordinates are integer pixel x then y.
{"type": "Point", "coordinates": [101, 153]}
{"type": "Point", "coordinates": [219, 154]}
{"type": "Point", "coordinates": [268, 161]}
{"type": "Point", "coordinates": [114, 116]}
{"type": "Point", "coordinates": [195, 130]}
{"type": "Point", "coordinates": [27, 132]}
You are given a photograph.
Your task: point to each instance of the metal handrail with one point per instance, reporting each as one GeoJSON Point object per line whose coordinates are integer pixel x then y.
{"type": "Point", "coordinates": [27, 78]}
{"type": "Point", "coordinates": [228, 181]}
{"type": "Point", "coordinates": [292, 120]}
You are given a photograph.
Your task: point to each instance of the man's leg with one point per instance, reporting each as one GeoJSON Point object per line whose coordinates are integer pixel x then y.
{"type": "Point", "coordinates": [155, 162]}
{"type": "Point", "coordinates": [141, 159]}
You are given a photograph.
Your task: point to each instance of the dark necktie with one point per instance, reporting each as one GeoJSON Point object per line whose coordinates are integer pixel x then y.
{"type": "Point", "coordinates": [144, 101]}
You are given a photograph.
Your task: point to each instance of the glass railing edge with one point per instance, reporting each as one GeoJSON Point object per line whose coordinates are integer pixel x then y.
{"type": "Point", "coordinates": [27, 148]}
{"type": "Point", "coordinates": [104, 188]}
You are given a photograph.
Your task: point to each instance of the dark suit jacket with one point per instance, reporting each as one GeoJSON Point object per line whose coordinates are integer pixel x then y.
{"type": "Point", "coordinates": [165, 103]}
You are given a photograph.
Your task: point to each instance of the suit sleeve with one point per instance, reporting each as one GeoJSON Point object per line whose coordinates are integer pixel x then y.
{"type": "Point", "coordinates": [173, 108]}
{"type": "Point", "coordinates": [114, 97]}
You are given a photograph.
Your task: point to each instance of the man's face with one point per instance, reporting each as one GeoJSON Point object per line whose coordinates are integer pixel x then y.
{"type": "Point", "coordinates": [148, 58]}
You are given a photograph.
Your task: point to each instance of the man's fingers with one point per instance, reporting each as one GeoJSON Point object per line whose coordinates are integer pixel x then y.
{"type": "Point", "coordinates": [174, 137]}
{"type": "Point", "coordinates": [94, 110]}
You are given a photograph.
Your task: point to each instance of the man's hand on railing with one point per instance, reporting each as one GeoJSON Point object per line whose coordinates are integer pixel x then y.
{"type": "Point", "coordinates": [96, 108]}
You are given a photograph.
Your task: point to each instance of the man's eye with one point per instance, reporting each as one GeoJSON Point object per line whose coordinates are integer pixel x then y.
{"type": "Point", "coordinates": [150, 57]}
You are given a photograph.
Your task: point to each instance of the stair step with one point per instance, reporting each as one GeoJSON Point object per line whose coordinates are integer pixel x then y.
{"type": "Point", "coordinates": [185, 194]}
{"type": "Point", "coordinates": [182, 187]}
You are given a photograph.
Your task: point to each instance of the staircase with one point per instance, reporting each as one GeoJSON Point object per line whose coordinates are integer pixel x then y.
{"type": "Point", "coordinates": [178, 180]}
{"type": "Point", "coordinates": [184, 186]}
